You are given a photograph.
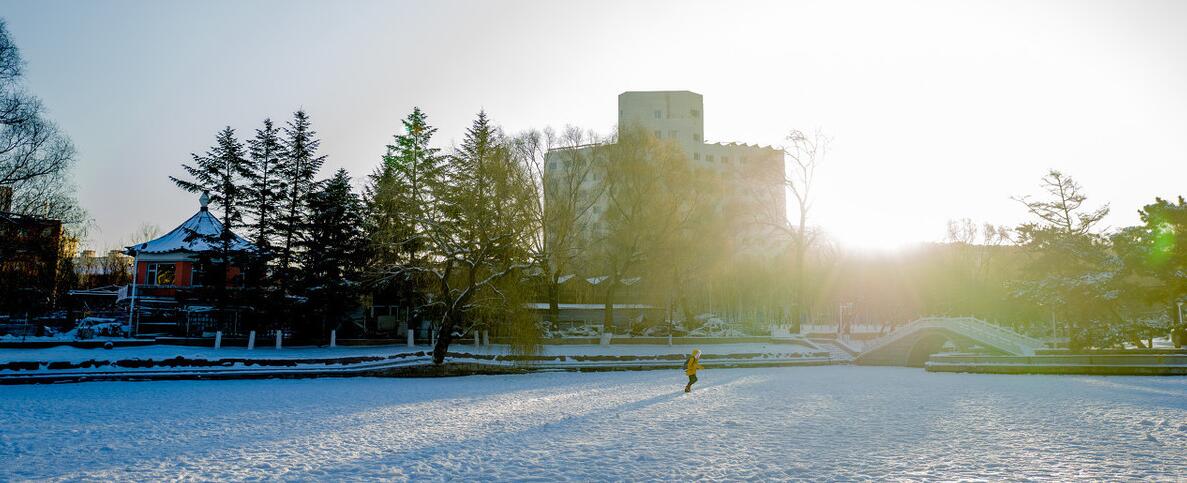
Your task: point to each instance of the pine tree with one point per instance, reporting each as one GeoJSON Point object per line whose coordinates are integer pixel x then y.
{"type": "Point", "coordinates": [479, 218]}
{"type": "Point", "coordinates": [301, 164]}
{"type": "Point", "coordinates": [334, 251]}
{"type": "Point", "coordinates": [221, 173]}
{"type": "Point", "coordinates": [399, 189]}
{"type": "Point", "coordinates": [395, 196]}
{"type": "Point", "coordinates": [1071, 268]}
{"type": "Point", "coordinates": [267, 184]}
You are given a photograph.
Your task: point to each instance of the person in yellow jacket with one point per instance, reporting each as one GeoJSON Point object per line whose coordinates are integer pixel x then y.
{"type": "Point", "coordinates": [690, 367]}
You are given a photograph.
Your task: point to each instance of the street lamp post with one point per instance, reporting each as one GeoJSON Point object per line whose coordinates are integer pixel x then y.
{"type": "Point", "coordinates": [1179, 328]}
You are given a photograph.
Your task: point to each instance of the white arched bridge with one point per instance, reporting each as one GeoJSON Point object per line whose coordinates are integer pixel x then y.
{"type": "Point", "coordinates": [912, 344]}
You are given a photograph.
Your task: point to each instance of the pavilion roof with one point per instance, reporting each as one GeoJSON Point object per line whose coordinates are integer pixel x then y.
{"type": "Point", "coordinates": [201, 233]}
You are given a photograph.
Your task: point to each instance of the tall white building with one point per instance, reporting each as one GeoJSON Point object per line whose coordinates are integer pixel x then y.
{"type": "Point", "coordinates": [679, 116]}
{"type": "Point", "coordinates": [749, 173]}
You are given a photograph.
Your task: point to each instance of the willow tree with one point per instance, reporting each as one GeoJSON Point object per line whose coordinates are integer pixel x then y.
{"type": "Point", "coordinates": [694, 237]}
{"type": "Point", "coordinates": [644, 204]}
{"type": "Point", "coordinates": [564, 190]}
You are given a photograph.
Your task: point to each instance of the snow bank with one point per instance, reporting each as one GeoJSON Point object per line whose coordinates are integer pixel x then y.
{"type": "Point", "coordinates": [61, 364]}
{"type": "Point", "coordinates": [74, 354]}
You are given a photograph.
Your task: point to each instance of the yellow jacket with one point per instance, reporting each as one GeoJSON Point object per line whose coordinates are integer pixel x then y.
{"type": "Point", "coordinates": [694, 363]}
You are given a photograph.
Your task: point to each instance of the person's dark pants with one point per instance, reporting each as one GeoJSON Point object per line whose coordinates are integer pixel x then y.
{"type": "Point", "coordinates": [692, 379]}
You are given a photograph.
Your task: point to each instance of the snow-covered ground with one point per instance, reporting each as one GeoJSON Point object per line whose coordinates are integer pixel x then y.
{"type": "Point", "coordinates": [74, 354]}
{"type": "Point", "coordinates": [834, 422]}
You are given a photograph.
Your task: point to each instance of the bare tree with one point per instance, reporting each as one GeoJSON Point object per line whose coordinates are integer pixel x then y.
{"type": "Point", "coordinates": [145, 232]}
{"type": "Point", "coordinates": [649, 196]}
{"type": "Point", "coordinates": [802, 155]}
{"type": "Point", "coordinates": [116, 268]}
{"type": "Point", "coordinates": [564, 169]}
{"type": "Point", "coordinates": [35, 155]}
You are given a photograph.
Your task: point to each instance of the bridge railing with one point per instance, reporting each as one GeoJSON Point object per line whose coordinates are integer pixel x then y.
{"type": "Point", "coordinates": [899, 333]}
{"type": "Point", "coordinates": [971, 327]}
{"type": "Point", "coordinates": [998, 337]}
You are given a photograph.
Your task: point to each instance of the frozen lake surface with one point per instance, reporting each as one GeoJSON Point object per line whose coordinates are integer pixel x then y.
{"type": "Point", "coordinates": [838, 422]}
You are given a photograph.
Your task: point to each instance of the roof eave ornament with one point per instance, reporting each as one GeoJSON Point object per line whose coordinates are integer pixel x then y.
{"type": "Point", "coordinates": [204, 199]}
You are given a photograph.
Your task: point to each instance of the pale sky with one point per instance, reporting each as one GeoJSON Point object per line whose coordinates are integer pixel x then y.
{"type": "Point", "coordinates": [938, 110]}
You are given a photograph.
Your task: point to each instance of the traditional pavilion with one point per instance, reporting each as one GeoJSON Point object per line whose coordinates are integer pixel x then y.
{"type": "Point", "coordinates": [166, 268]}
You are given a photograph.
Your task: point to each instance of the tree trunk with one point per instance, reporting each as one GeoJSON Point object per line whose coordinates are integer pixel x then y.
{"type": "Point", "coordinates": [799, 285]}
{"type": "Point", "coordinates": [608, 310]}
{"type": "Point", "coordinates": [554, 297]}
{"type": "Point", "coordinates": [453, 315]}
{"type": "Point", "coordinates": [686, 309]}
{"type": "Point", "coordinates": [445, 336]}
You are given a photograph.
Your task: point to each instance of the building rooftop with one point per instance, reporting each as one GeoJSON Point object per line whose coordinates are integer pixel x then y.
{"type": "Point", "coordinates": [200, 233]}
{"type": "Point", "coordinates": [660, 92]}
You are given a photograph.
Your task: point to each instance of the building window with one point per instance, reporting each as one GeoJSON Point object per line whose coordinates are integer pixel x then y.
{"type": "Point", "coordinates": [658, 114]}
{"type": "Point", "coordinates": [696, 136]}
{"type": "Point", "coordinates": [696, 156]}
{"type": "Point", "coordinates": [658, 135]}
{"type": "Point", "coordinates": [160, 273]}
{"type": "Point", "coordinates": [197, 275]}
{"type": "Point", "coordinates": [709, 158]}
{"type": "Point", "coordinates": [552, 165]}
{"type": "Point", "coordinates": [696, 113]}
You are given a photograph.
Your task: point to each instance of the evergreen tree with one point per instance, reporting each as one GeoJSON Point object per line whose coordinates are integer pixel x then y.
{"type": "Point", "coordinates": [478, 222]}
{"type": "Point", "coordinates": [395, 195]}
{"type": "Point", "coordinates": [220, 173]}
{"type": "Point", "coordinates": [301, 164]}
{"type": "Point", "coordinates": [266, 193]}
{"type": "Point", "coordinates": [333, 253]}
{"type": "Point", "coordinates": [1071, 267]}
{"type": "Point", "coordinates": [267, 187]}
{"type": "Point", "coordinates": [1155, 259]}
{"type": "Point", "coordinates": [399, 188]}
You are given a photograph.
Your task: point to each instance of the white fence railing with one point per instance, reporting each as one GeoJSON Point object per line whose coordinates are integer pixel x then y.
{"type": "Point", "coordinates": [973, 328]}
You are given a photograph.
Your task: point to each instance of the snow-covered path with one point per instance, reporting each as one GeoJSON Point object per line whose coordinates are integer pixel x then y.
{"type": "Point", "coordinates": [837, 422]}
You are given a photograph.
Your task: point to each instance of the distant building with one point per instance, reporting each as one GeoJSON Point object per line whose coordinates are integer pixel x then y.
{"type": "Point", "coordinates": [679, 116]}
{"type": "Point", "coordinates": [751, 175]}
{"type": "Point", "coordinates": [30, 247]}
{"type": "Point", "coordinates": [167, 270]}
{"type": "Point", "coordinates": [94, 270]}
